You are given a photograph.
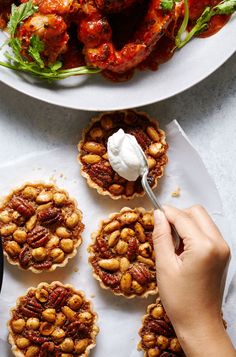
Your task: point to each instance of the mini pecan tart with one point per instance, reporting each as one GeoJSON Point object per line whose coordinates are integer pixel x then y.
{"type": "Point", "coordinates": [40, 226]}
{"type": "Point", "coordinates": [95, 166]}
{"type": "Point", "coordinates": [122, 253]}
{"type": "Point", "coordinates": [52, 320]}
{"type": "Point", "coordinates": [158, 338]}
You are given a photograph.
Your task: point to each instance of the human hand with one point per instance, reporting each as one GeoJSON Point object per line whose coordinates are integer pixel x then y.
{"type": "Point", "coordinates": [191, 284]}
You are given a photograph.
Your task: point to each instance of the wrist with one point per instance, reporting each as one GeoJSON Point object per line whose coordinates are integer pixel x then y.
{"type": "Point", "coordinates": [205, 337]}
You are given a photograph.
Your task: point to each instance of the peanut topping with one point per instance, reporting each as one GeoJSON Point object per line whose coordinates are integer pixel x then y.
{"type": "Point", "coordinates": [39, 254]}
{"type": "Point", "coordinates": [22, 342]}
{"type": "Point", "coordinates": [81, 345]}
{"type": "Point", "coordinates": [18, 325]}
{"type": "Point", "coordinates": [57, 255]}
{"type": "Point", "coordinates": [75, 302]}
{"type": "Point", "coordinates": [91, 159]}
{"type": "Point", "coordinates": [13, 249]}
{"type": "Point", "coordinates": [109, 264]}
{"type": "Point", "coordinates": [65, 322]}
{"type": "Point", "coordinates": [32, 351]}
{"type": "Point", "coordinates": [67, 245]}
{"type": "Point", "coordinates": [67, 345]}
{"type": "Point", "coordinates": [41, 295]}
{"type": "Point", "coordinates": [49, 315]}
{"type": "Point", "coordinates": [40, 227]}
{"type": "Point", "coordinates": [20, 236]}
{"type": "Point", "coordinates": [93, 152]}
{"type": "Point", "coordinates": [122, 253]}
{"type": "Point", "coordinates": [72, 220]}
{"type": "Point", "coordinates": [113, 239]}
{"type": "Point", "coordinates": [158, 337]}
{"type": "Point", "coordinates": [46, 328]}
{"type": "Point", "coordinates": [33, 323]}
{"type": "Point", "coordinates": [58, 334]}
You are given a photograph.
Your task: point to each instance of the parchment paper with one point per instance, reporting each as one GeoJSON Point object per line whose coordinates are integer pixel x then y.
{"type": "Point", "coordinates": [119, 318]}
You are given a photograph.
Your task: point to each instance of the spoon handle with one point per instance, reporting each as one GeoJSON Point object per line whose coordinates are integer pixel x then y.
{"type": "Point", "coordinates": [157, 205]}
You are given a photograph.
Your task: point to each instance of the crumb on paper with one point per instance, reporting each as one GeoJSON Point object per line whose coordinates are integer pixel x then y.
{"type": "Point", "coordinates": [53, 179]}
{"type": "Point", "coordinates": [61, 175]}
{"type": "Point", "coordinates": [76, 269]}
{"type": "Point", "coordinates": [176, 193]}
{"type": "Point", "coordinates": [92, 296]}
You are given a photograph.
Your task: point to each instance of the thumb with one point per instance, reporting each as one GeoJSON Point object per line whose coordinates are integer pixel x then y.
{"type": "Point", "coordinates": [162, 239]}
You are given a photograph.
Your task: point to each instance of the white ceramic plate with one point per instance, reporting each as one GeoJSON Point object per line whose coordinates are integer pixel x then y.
{"type": "Point", "coordinates": [193, 63]}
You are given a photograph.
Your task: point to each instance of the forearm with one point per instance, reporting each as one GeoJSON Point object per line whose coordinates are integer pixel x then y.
{"type": "Point", "coordinates": [210, 339]}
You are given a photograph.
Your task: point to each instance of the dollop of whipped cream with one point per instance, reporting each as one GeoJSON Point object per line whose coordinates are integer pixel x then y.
{"type": "Point", "coordinates": [124, 157]}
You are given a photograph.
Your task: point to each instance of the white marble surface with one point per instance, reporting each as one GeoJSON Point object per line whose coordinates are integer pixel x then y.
{"type": "Point", "coordinates": [206, 112]}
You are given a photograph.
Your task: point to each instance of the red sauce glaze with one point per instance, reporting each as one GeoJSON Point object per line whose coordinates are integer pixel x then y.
{"type": "Point", "coordinates": [216, 23]}
{"type": "Point", "coordinates": [5, 9]}
{"type": "Point", "coordinates": [124, 25]}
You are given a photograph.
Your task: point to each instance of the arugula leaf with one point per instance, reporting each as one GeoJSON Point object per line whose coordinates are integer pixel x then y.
{"type": "Point", "coordinates": [226, 7]}
{"type": "Point", "coordinates": [36, 67]}
{"type": "Point", "coordinates": [53, 72]}
{"type": "Point", "coordinates": [19, 14]}
{"type": "Point", "coordinates": [35, 49]}
{"type": "Point", "coordinates": [46, 73]}
{"type": "Point", "coordinates": [167, 5]}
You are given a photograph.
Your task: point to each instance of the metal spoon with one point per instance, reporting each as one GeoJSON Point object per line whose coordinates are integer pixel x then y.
{"type": "Point", "coordinates": [156, 203]}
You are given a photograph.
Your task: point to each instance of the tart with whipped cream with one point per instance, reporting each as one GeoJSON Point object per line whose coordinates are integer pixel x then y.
{"type": "Point", "coordinates": [122, 255]}
{"type": "Point", "coordinates": [52, 320]}
{"type": "Point", "coordinates": [158, 338]}
{"type": "Point", "coordinates": [40, 227]}
{"type": "Point", "coordinates": [98, 161]}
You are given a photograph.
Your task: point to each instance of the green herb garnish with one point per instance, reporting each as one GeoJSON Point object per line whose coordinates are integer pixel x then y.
{"type": "Point", "coordinates": [167, 5]}
{"type": "Point", "coordinates": [35, 65]}
{"type": "Point", "coordinates": [226, 7]}
{"type": "Point", "coordinates": [19, 14]}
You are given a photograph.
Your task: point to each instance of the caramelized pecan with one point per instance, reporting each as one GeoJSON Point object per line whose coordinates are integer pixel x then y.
{"type": "Point", "coordinates": [31, 307]}
{"type": "Point", "coordinates": [58, 297]}
{"type": "Point", "coordinates": [141, 137]}
{"type": "Point", "coordinates": [140, 273]}
{"type": "Point", "coordinates": [101, 174]}
{"type": "Point", "coordinates": [22, 206]}
{"type": "Point", "coordinates": [38, 237]}
{"type": "Point", "coordinates": [51, 215]}
{"type": "Point", "coordinates": [108, 279]}
{"type": "Point", "coordinates": [132, 249]}
{"type": "Point", "coordinates": [25, 257]}
{"type": "Point", "coordinates": [77, 330]}
{"type": "Point", "coordinates": [35, 337]}
{"type": "Point", "coordinates": [46, 349]}
{"type": "Point", "coordinates": [103, 247]}
{"type": "Point", "coordinates": [160, 327]}
{"type": "Point", "coordinates": [44, 265]}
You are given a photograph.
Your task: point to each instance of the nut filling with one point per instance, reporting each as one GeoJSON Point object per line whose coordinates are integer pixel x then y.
{"type": "Point", "coordinates": [52, 320]}
{"type": "Point", "coordinates": [122, 253]}
{"type": "Point", "coordinates": [94, 158]}
{"type": "Point", "coordinates": [158, 338]}
{"type": "Point", "coordinates": [40, 227]}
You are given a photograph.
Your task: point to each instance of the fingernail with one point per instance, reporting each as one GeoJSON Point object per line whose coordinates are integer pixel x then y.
{"type": "Point", "coordinates": [158, 216]}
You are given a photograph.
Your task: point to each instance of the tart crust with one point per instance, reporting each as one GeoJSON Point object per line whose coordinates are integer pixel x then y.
{"type": "Point", "coordinates": [168, 344]}
{"type": "Point", "coordinates": [92, 255]}
{"type": "Point", "coordinates": [162, 140]}
{"type": "Point", "coordinates": [77, 242]}
{"type": "Point", "coordinates": [95, 329]}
